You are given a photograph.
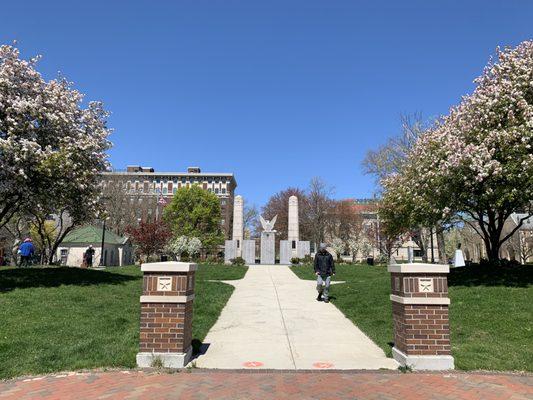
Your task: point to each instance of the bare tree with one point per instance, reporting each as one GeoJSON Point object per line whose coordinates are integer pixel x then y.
{"type": "Point", "coordinates": [250, 220]}
{"type": "Point", "coordinates": [343, 220]}
{"type": "Point", "coordinates": [319, 208]}
{"type": "Point", "coordinates": [521, 245]}
{"type": "Point", "coordinates": [389, 158]}
{"type": "Point", "coordinates": [124, 209]}
{"type": "Point", "coordinates": [278, 205]}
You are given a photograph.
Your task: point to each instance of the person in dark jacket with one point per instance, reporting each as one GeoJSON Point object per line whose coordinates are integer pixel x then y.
{"type": "Point", "coordinates": [89, 253]}
{"type": "Point", "coordinates": [324, 270]}
{"type": "Point", "coordinates": [26, 251]}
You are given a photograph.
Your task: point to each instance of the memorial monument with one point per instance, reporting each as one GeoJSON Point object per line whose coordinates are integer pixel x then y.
{"type": "Point", "coordinates": [293, 234]}
{"type": "Point", "coordinates": [268, 241]}
{"type": "Point", "coordinates": [293, 247]}
{"type": "Point", "coordinates": [238, 223]}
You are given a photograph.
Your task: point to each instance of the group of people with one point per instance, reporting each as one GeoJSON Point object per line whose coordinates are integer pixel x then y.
{"type": "Point", "coordinates": [26, 250]}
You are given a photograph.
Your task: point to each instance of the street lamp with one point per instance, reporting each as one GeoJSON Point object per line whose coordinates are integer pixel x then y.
{"type": "Point", "coordinates": [103, 241]}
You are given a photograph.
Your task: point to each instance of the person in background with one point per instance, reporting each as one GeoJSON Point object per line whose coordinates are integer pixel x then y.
{"type": "Point", "coordinates": [324, 270]}
{"type": "Point", "coordinates": [26, 250]}
{"type": "Point", "coordinates": [89, 253]}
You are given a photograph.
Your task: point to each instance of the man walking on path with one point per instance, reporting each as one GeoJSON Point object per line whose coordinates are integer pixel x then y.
{"type": "Point", "coordinates": [26, 251]}
{"type": "Point", "coordinates": [324, 269]}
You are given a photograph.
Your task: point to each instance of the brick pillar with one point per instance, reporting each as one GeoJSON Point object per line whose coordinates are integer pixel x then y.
{"type": "Point", "coordinates": [166, 314]}
{"type": "Point", "coordinates": [420, 305]}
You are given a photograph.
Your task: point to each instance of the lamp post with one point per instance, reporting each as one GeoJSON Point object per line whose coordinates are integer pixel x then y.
{"type": "Point", "coordinates": [103, 241]}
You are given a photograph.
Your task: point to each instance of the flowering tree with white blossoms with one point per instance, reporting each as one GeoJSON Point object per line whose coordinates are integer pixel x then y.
{"type": "Point", "coordinates": [179, 245]}
{"type": "Point", "coordinates": [183, 244]}
{"type": "Point", "coordinates": [338, 245]}
{"type": "Point", "coordinates": [194, 246]}
{"type": "Point", "coordinates": [477, 162]}
{"type": "Point", "coordinates": [51, 148]}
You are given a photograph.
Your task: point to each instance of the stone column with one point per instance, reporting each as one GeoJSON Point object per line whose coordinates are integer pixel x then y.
{"type": "Point", "coordinates": [166, 314]}
{"type": "Point", "coordinates": [420, 305]}
{"type": "Point", "coordinates": [284, 252]}
{"type": "Point", "coordinates": [293, 235]}
{"type": "Point", "coordinates": [268, 249]}
{"type": "Point", "coordinates": [248, 251]}
{"type": "Point", "coordinates": [230, 251]}
{"type": "Point", "coordinates": [238, 223]}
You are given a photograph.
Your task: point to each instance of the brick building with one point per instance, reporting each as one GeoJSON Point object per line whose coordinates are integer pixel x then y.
{"type": "Point", "coordinates": [145, 181]}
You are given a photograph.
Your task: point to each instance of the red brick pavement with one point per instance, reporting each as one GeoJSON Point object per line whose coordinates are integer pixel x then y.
{"type": "Point", "coordinates": [205, 384]}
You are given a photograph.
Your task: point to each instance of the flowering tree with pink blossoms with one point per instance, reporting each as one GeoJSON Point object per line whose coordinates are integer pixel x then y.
{"type": "Point", "coordinates": [51, 147]}
{"type": "Point", "coordinates": [477, 162]}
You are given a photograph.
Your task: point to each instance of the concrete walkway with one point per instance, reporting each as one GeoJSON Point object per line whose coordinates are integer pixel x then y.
{"type": "Point", "coordinates": [273, 321]}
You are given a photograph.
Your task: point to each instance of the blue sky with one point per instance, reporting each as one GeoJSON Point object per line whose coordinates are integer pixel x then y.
{"type": "Point", "coordinates": [275, 91]}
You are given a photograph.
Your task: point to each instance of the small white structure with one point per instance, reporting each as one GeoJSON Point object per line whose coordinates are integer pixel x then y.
{"type": "Point", "coordinates": [118, 250]}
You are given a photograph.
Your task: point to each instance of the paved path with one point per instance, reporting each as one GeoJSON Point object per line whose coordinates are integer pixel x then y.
{"type": "Point", "coordinates": [201, 384]}
{"type": "Point", "coordinates": [273, 321]}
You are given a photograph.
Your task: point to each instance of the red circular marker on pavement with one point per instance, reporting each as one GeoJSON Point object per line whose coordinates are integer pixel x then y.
{"type": "Point", "coordinates": [253, 364]}
{"type": "Point", "coordinates": [323, 365]}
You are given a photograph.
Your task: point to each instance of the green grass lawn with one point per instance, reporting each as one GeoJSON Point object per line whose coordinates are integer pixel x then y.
{"type": "Point", "coordinates": [55, 319]}
{"type": "Point", "coordinates": [491, 312]}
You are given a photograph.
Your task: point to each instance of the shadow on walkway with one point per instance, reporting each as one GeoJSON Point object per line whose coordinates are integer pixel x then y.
{"type": "Point", "coordinates": [22, 278]}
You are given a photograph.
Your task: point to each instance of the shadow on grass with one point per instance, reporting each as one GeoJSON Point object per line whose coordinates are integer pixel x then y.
{"type": "Point", "coordinates": [510, 276]}
{"type": "Point", "coordinates": [22, 278]}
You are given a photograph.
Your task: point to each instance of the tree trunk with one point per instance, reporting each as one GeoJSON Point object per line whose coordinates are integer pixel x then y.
{"type": "Point", "coordinates": [492, 245]}
{"type": "Point", "coordinates": [441, 245]}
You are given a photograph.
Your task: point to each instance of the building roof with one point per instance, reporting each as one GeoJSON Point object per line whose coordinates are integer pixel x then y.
{"type": "Point", "coordinates": [92, 235]}
{"type": "Point", "coordinates": [527, 224]}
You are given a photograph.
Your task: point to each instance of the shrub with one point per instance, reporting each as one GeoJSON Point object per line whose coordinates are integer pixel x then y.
{"type": "Point", "coordinates": [211, 259]}
{"type": "Point", "coordinates": [295, 261]}
{"type": "Point", "coordinates": [238, 261]}
{"type": "Point", "coordinates": [307, 259]}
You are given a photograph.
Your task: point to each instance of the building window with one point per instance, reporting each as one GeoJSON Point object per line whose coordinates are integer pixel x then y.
{"type": "Point", "coordinates": [223, 202]}
{"type": "Point", "coordinates": [223, 190]}
{"type": "Point", "coordinates": [165, 190]}
{"type": "Point", "coordinates": [170, 187]}
{"type": "Point", "coordinates": [145, 187]}
{"type": "Point", "coordinates": [294, 244]}
{"type": "Point", "coordinates": [174, 190]}
{"type": "Point", "coordinates": [216, 190]}
{"type": "Point", "coordinates": [64, 256]}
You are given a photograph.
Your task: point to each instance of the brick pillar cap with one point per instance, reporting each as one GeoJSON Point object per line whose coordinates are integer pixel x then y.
{"type": "Point", "coordinates": [419, 267]}
{"type": "Point", "coordinates": [168, 266]}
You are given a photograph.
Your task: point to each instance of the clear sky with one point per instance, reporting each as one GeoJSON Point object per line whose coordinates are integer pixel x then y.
{"type": "Point", "coordinates": [275, 91]}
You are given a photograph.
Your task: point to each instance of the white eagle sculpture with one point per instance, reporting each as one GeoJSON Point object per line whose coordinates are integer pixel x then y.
{"type": "Point", "coordinates": [268, 226]}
